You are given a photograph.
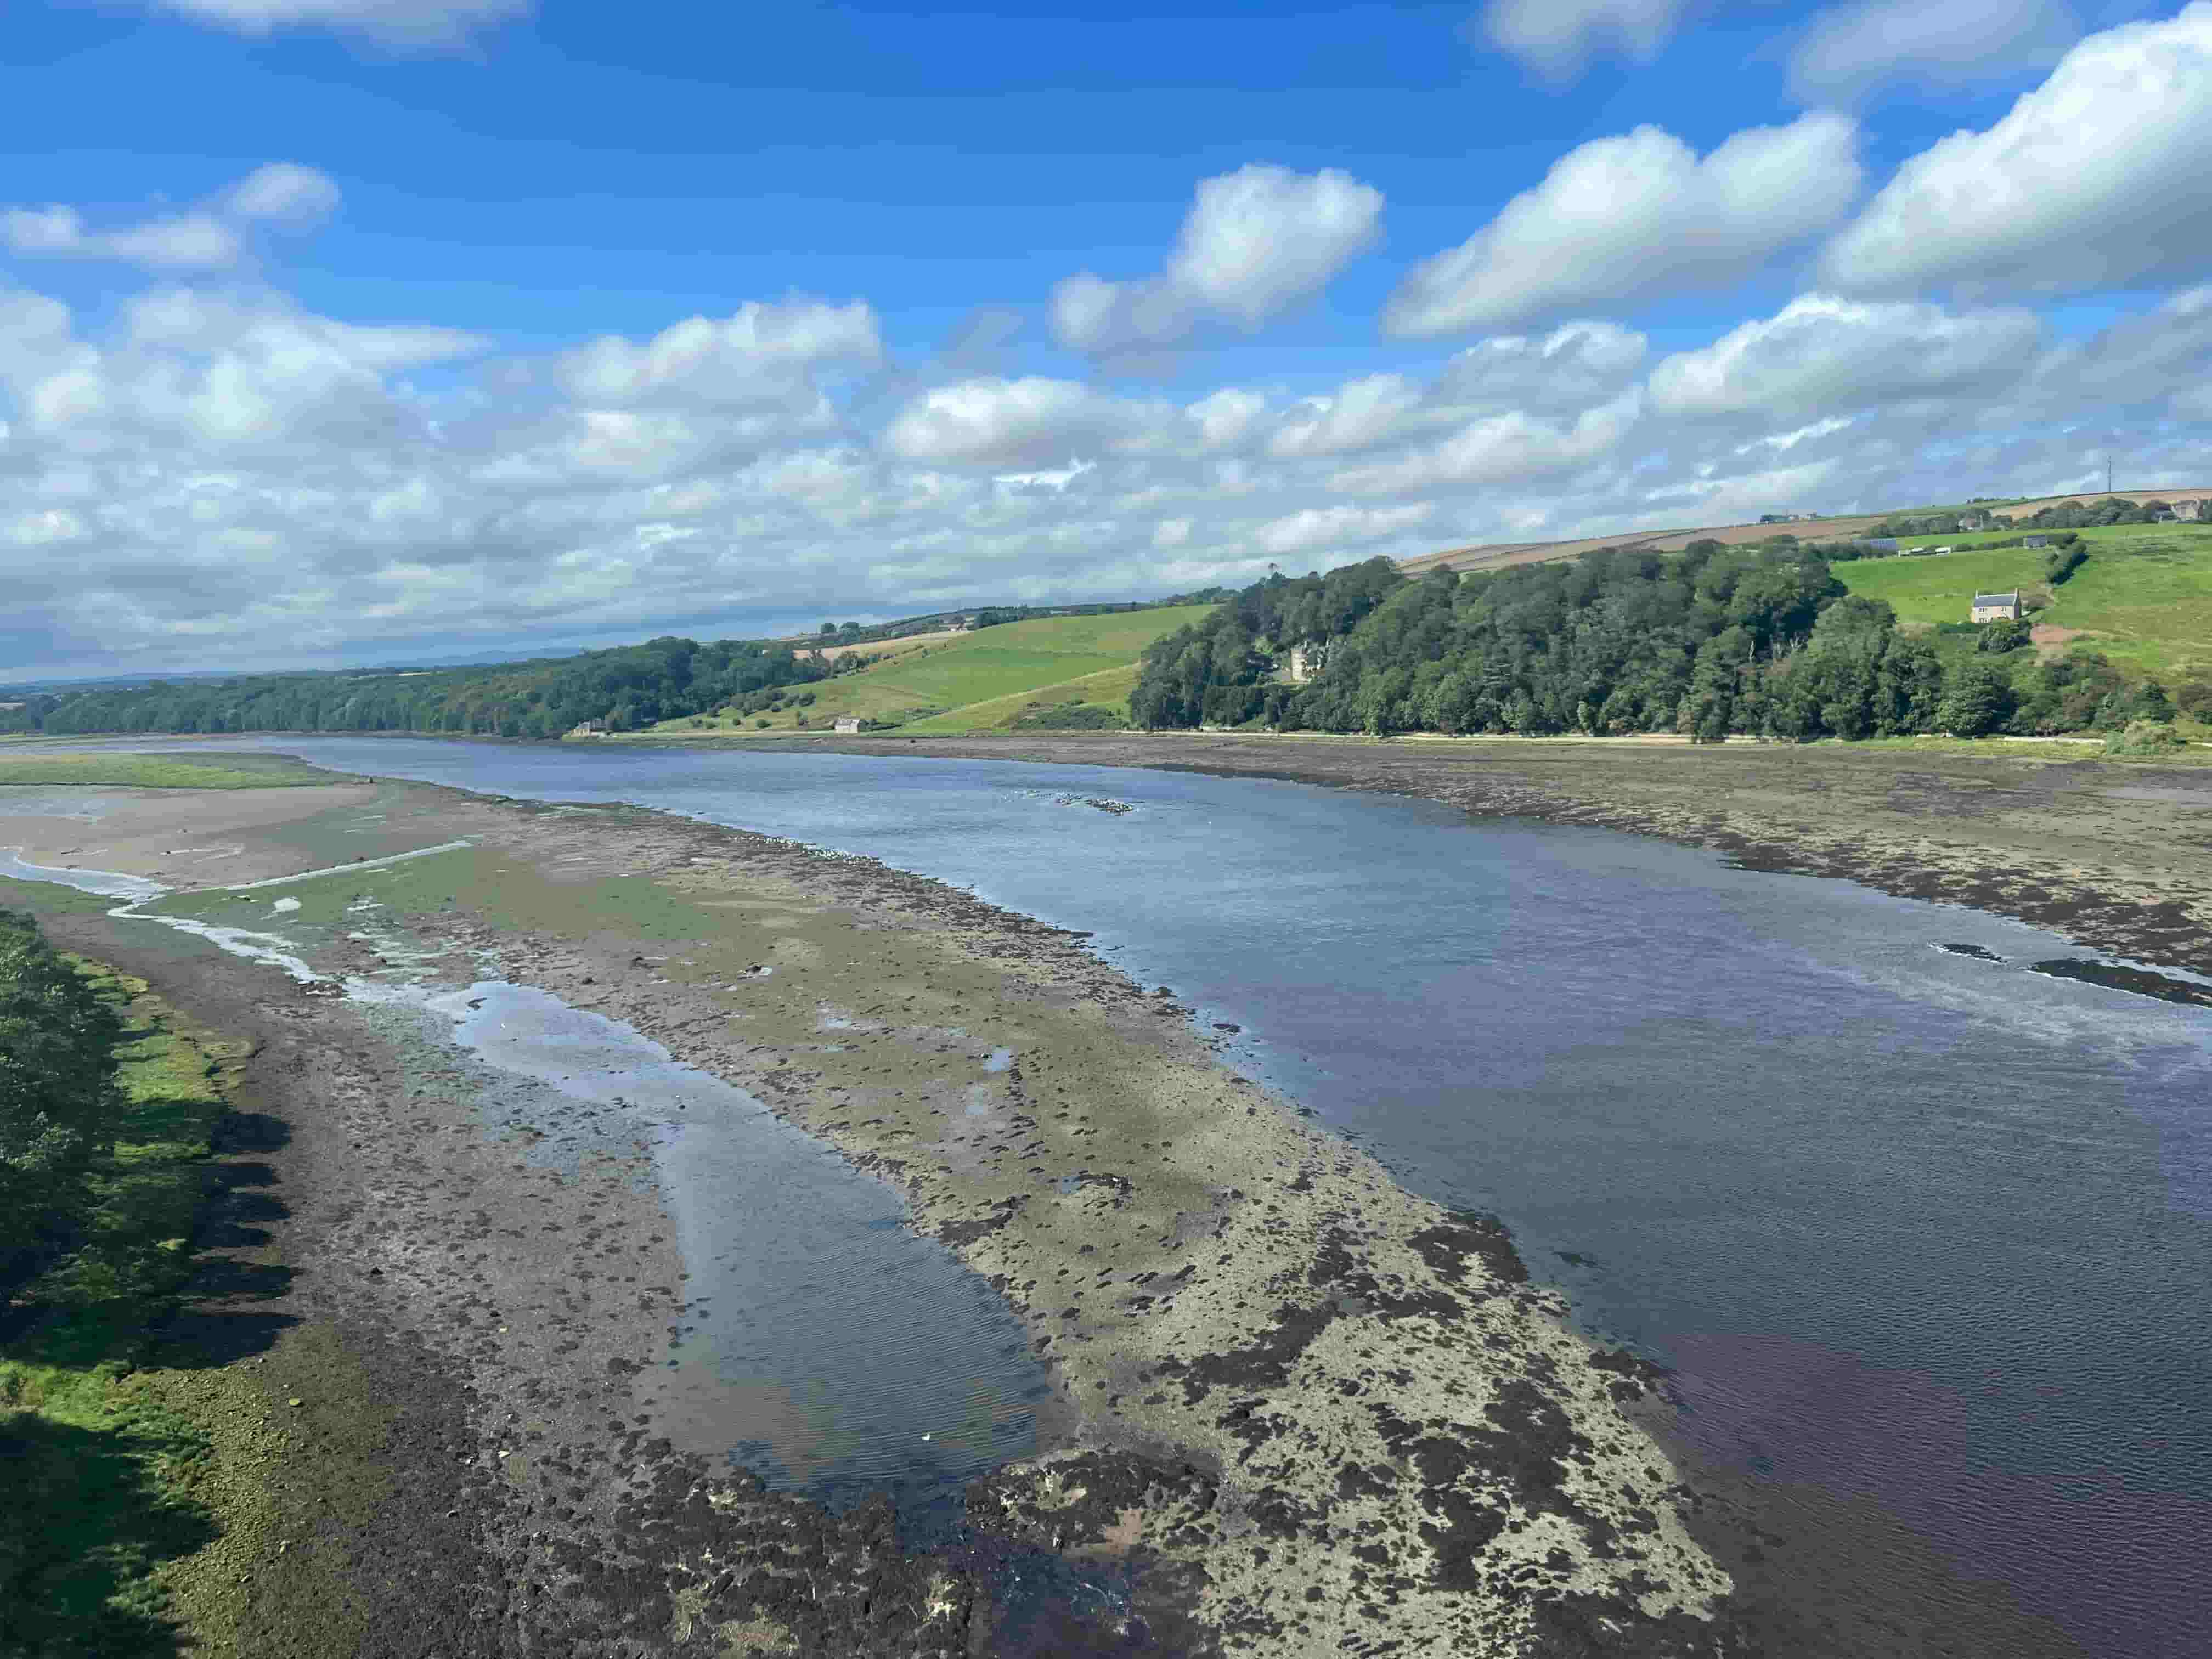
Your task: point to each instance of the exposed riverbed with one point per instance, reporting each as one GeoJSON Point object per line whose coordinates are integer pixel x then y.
{"type": "Point", "coordinates": [1922, 1233]}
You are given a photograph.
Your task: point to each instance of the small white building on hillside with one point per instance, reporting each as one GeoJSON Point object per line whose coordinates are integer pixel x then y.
{"type": "Point", "coordinates": [847, 723]}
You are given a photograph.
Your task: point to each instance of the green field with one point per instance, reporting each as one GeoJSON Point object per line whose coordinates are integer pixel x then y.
{"type": "Point", "coordinates": [162, 771]}
{"type": "Point", "coordinates": [2144, 597]}
{"type": "Point", "coordinates": [980, 680]}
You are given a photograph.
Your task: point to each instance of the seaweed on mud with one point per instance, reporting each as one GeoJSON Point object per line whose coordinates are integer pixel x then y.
{"type": "Point", "coordinates": [1463, 1234]}
{"type": "Point", "coordinates": [2141, 980]}
{"type": "Point", "coordinates": [1264, 1363]}
{"type": "Point", "coordinates": [960, 1233]}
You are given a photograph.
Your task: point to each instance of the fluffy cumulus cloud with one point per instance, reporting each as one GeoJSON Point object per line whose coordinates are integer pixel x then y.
{"type": "Point", "coordinates": [1823, 354]}
{"type": "Point", "coordinates": [1573, 367]}
{"type": "Point", "coordinates": [433, 24]}
{"type": "Point", "coordinates": [1630, 218]}
{"type": "Point", "coordinates": [1256, 243]}
{"type": "Point", "coordinates": [996, 424]}
{"type": "Point", "coordinates": [1556, 37]}
{"type": "Point", "coordinates": [1849, 52]}
{"type": "Point", "coordinates": [282, 194]}
{"type": "Point", "coordinates": [2099, 178]}
{"type": "Point", "coordinates": [186, 242]}
{"type": "Point", "coordinates": [1317, 529]}
{"type": "Point", "coordinates": [761, 354]}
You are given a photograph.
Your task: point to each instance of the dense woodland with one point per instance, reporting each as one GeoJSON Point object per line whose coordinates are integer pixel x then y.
{"type": "Point", "coordinates": [1713, 641]}
{"type": "Point", "coordinates": [628, 687]}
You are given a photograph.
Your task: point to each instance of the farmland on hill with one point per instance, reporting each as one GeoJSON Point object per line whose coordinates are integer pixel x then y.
{"type": "Point", "coordinates": [980, 680]}
{"type": "Point", "coordinates": [2144, 597]}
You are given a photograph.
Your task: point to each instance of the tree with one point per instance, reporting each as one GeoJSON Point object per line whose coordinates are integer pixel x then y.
{"type": "Point", "coordinates": [828, 627]}
{"type": "Point", "coordinates": [1977, 700]}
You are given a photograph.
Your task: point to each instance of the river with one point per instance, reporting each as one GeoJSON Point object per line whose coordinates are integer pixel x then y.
{"type": "Point", "coordinates": [1923, 1234]}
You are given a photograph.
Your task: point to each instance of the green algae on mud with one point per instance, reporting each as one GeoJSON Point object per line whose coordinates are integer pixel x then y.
{"type": "Point", "coordinates": [117, 770]}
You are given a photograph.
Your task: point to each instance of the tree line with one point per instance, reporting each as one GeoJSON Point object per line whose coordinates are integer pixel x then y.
{"type": "Point", "coordinates": [628, 688]}
{"type": "Point", "coordinates": [1714, 640]}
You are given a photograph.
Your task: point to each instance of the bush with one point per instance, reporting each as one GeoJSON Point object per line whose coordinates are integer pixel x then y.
{"type": "Point", "coordinates": [59, 1106]}
{"type": "Point", "coordinates": [1999, 636]}
{"type": "Point", "coordinates": [1070, 717]}
{"type": "Point", "coordinates": [2145, 737]}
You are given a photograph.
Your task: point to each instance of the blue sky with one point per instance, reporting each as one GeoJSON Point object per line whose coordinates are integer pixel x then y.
{"type": "Point", "coordinates": [353, 329]}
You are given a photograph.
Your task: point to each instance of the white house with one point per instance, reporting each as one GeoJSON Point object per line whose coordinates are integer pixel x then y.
{"type": "Point", "coordinates": [848, 723]}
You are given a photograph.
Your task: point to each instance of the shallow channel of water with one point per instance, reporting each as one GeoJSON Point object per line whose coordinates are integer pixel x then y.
{"type": "Point", "coordinates": [1918, 1228]}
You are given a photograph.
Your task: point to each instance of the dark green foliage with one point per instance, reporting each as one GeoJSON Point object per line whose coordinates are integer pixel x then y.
{"type": "Point", "coordinates": [628, 688]}
{"type": "Point", "coordinates": [1978, 699]}
{"type": "Point", "coordinates": [2063, 561]}
{"type": "Point", "coordinates": [59, 1106]}
{"type": "Point", "coordinates": [1618, 641]}
{"type": "Point", "coordinates": [1070, 717]}
{"type": "Point", "coordinates": [1998, 637]}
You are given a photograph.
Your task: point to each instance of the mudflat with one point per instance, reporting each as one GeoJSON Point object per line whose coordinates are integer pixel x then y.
{"type": "Point", "coordinates": [1295, 1409]}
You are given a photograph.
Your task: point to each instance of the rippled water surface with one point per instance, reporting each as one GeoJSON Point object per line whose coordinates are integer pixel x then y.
{"type": "Point", "coordinates": [1920, 1230]}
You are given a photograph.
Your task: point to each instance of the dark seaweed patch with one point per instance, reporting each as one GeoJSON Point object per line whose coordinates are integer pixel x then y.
{"type": "Point", "coordinates": [2141, 980]}
{"type": "Point", "coordinates": [1447, 1246]}
{"type": "Point", "coordinates": [1973, 950]}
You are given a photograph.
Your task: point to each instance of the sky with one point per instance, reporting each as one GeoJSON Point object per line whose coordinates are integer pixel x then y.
{"type": "Point", "coordinates": [353, 331]}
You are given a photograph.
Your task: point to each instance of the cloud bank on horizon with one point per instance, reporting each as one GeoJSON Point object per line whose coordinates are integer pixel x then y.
{"type": "Point", "coordinates": [461, 328]}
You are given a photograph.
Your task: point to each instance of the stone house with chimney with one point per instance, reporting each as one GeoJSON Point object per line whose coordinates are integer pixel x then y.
{"type": "Point", "coordinates": [1997, 607]}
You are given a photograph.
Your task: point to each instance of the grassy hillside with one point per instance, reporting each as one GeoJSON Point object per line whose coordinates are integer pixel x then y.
{"type": "Point", "coordinates": [2144, 597]}
{"type": "Point", "coordinates": [982, 679]}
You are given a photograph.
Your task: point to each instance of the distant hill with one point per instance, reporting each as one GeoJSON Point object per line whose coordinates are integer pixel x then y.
{"type": "Point", "coordinates": [1501, 554]}
{"type": "Point", "coordinates": [992, 678]}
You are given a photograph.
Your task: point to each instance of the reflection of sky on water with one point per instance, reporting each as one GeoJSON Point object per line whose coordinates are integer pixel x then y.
{"type": "Point", "coordinates": [802, 1275]}
{"type": "Point", "coordinates": [1933, 1228]}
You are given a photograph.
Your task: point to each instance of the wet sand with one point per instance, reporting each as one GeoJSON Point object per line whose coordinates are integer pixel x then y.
{"type": "Point", "coordinates": [1296, 1410]}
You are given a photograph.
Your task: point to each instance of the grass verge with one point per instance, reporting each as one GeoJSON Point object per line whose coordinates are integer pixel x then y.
{"type": "Point", "coordinates": [124, 1465]}
{"type": "Point", "coordinates": [162, 771]}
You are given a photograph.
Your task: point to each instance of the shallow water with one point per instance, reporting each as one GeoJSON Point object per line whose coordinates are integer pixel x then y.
{"type": "Point", "coordinates": [802, 1274]}
{"type": "Point", "coordinates": [1918, 1229]}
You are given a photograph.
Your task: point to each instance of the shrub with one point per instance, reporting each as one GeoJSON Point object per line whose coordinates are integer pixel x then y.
{"type": "Point", "coordinates": [2145, 737]}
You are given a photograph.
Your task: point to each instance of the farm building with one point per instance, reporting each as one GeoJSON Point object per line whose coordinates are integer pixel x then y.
{"type": "Point", "coordinates": [848, 723]}
{"type": "Point", "coordinates": [1997, 607]}
{"type": "Point", "coordinates": [2193, 512]}
{"type": "Point", "coordinates": [2035, 541]}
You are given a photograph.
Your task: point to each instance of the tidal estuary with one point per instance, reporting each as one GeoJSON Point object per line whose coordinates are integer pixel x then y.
{"type": "Point", "coordinates": [1923, 1231]}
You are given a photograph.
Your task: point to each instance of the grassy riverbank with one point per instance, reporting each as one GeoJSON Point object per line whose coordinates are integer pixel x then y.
{"type": "Point", "coordinates": [127, 1459]}
{"type": "Point", "coordinates": [134, 771]}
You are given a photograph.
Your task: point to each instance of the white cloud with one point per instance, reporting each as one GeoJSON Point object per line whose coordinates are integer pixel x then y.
{"type": "Point", "coordinates": [1632, 217]}
{"type": "Point", "coordinates": [284, 193]}
{"type": "Point", "coordinates": [1317, 527]}
{"type": "Point", "coordinates": [2101, 177]}
{"type": "Point", "coordinates": [194, 241]}
{"type": "Point", "coordinates": [761, 353]}
{"type": "Point", "coordinates": [1574, 365]}
{"type": "Point", "coordinates": [1171, 532]}
{"type": "Point", "coordinates": [409, 23]}
{"type": "Point", "coordinates": [1000, 423]}
{"type": "Point", "coordinates": [1556, 37]}
{"type": "Point", "coordinates": [281, 193]}
{"type": "Point", "coordinates": [1255, 243]}
{"type": "Point", "coordinates": [1224, 417]}
{"type": "Point", "coordinates": [1497, 449]}
{"type": "Point", "coordinates": [1850, 50]}
{"type": "Point", "coordinates": [1358, 415]}
{"type": "Point", "coordinates": [1821, 354]}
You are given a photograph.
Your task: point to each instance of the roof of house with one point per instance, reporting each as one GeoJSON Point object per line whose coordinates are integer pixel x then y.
{"type": "Point", "coordinates": [2012, 598]}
